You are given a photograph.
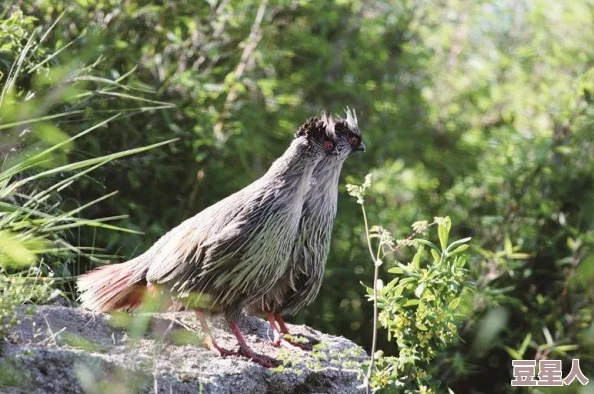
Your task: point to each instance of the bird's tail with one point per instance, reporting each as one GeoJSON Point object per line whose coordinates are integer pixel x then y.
{"type": "Point", "coordinates": [114, 287]}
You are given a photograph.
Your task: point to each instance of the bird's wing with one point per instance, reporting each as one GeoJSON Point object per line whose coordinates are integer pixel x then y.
{"type": "Point", "coordinates": [207, 247]}
{"type": "Point", "coordinates": [174, 250]}
{"type": "Point", "coordinates": [183, 245]}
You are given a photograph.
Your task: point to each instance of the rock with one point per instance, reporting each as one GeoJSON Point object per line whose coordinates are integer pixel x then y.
{"type": "Point", "coordinates": [57, 349]}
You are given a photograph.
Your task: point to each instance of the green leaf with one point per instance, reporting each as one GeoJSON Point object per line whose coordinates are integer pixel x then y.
{"type": "Point", "coordinates": [508, 245]}
{"type": "Point", "coordinates": [548, 336]}
{"type": "Point", "coordinates": [407, 280]}
{"type": "Point", "coordinates": [416, 261]}
{"type": "Point", "coordinates": [565, 348]}
{"type": "Point", "coordinates": [421, 326]}
{"type": "Point", "coordinates": [513, 354]}
{"type": "Point", "coordinates": [459, 249]}
{"type": "Point", "coordinates": [443, 231]}
{"type": "Point", "coordinates": [454, 304]}
{"type": "Point", "coordinates": [427, 243]}
{"type": "Point", "coordinates": [392, 283]}
{"type": "Point", "coordinates": [458, 242]}
{"type": "Point", "coordinates": [412, 302]}
{"type": "Point", "coordinates": [419, 290]}
{"type": "Point", "coordinates": [395, 270]}
{"type": "Point", "coordinates": [525, 344]}
{"type": "Point", "coordinates": [519, 256]}
{"type": "Point", "coordinates": [436, 255]}
{"type": "Point", "coordinates": [443, 236]}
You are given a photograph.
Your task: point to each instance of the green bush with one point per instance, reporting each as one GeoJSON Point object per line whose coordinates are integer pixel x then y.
{"type": "Point", "coordinates": [419, 306]}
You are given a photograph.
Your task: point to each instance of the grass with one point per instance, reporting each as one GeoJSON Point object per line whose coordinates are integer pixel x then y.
{"type": "Point", "coordinates": [46, 106]}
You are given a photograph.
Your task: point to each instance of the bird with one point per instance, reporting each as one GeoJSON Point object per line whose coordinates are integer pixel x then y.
{"type": "Point", "coordinates": [301, 283]}
{"type": "Point", "coordinates": [228, 255]}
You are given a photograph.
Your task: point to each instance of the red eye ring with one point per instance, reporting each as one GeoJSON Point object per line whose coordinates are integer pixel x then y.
{"type": "Point", "coordinates": [328, 145]}
{"type": "Point", "coordinates": [353, 140]}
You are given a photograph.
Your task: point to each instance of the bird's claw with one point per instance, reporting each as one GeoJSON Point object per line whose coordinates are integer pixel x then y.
{"type": "Point", "coordinates": [219, 351]}
{"type": "Point", "coordinates": [264, 361]}
{"type": "Point", "coordinates": [290, 344]}
{"type": "Point", "coordinates": [297, 342]}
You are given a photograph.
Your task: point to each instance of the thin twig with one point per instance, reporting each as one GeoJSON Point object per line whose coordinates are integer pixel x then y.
{"type": "Point", "coordinates": [253, 40]}
{"type": "Point", "coordinates": [53, 334]}
{"type": "Point", "coordinates": [375, 278]}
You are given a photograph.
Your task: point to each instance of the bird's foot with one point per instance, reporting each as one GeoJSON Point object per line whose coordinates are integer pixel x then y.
{"type": "Point", "coordinates": [288, 343]}
{"type": "Point", "coordinates": [298, 342]}
{"type": "Point", "coordinates": [266, 362]}
{"type": "Point", "coordinates": [219, 351]}
{"type": "Point", "coordinates": [301, 342]}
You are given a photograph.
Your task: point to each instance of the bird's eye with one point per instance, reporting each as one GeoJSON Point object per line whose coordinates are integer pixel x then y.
{"type": "Point", "coordinates": [328, 145]}
{"type": "Point", "coordinates": [353, 140]}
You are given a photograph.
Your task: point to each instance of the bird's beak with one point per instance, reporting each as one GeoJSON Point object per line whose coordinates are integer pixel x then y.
{"type": "Point", "coordinates": [361, 147]}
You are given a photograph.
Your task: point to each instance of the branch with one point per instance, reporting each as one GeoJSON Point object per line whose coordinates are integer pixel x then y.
{"type": "Point", "coordinates": [253, 40]}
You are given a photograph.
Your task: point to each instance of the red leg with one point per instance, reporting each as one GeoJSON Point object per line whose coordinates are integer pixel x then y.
{"type": "Point", "coordinates": [245, 350]}
{"type": "Point", "coordinates": [277, 335]}
{"type": "Point", "coordinates": [285, 331]}
{"type": "Point", "coordinates": [209, 340]}
{"type": "Point", "coordinates": [281, 323]}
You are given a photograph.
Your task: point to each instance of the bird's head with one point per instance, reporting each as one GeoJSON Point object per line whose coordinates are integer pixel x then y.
{"type": "Point", "coordinates": [348, 135]}
{"type": "Point", "coordinates": [317, 135]}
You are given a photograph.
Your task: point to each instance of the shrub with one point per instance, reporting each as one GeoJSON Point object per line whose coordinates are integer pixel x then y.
{"type": "Point", "coordinates": [419, 307]}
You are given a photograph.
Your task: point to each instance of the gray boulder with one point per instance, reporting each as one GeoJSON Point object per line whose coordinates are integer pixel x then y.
{"type": "Point", "coordinates": [58, 349]}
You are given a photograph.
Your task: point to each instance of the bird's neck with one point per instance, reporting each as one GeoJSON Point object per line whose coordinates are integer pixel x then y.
{"type": "Point", "coordinates": [328, 170]}
{"type": "Point", "coordinates": [297, 161]}
{"type": "Point", "coordinates": [324, 181]}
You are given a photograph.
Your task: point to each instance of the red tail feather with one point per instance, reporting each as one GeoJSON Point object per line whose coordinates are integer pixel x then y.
{"type": "Point", "coordinates": [113, 287]}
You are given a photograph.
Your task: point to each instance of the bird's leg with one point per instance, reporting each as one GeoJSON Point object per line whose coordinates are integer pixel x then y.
{"type": "Point", "coordinates": [281, 323]}
{"type": "Point", "coordinates": [278, 337]}
{"type": "Point", "coordinates": [246, 351]}
{"type": "Point", "coordinates": [209, 340]}
{"type": "Point", "coordinates": [285, 331]}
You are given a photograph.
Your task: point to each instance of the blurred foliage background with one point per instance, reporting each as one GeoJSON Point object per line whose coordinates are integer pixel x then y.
{"type": "Point", "coordinates": [480, 110]}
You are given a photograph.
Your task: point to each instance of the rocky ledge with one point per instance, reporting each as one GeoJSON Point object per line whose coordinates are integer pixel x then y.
{"type": "Point", "coordinates": [56, 349]}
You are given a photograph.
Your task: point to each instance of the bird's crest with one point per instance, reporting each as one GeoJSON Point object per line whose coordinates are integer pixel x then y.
{"type": "Point", "coordinates": [317, 127]}
{"type": "Point", "coordinates": [349, 122]}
